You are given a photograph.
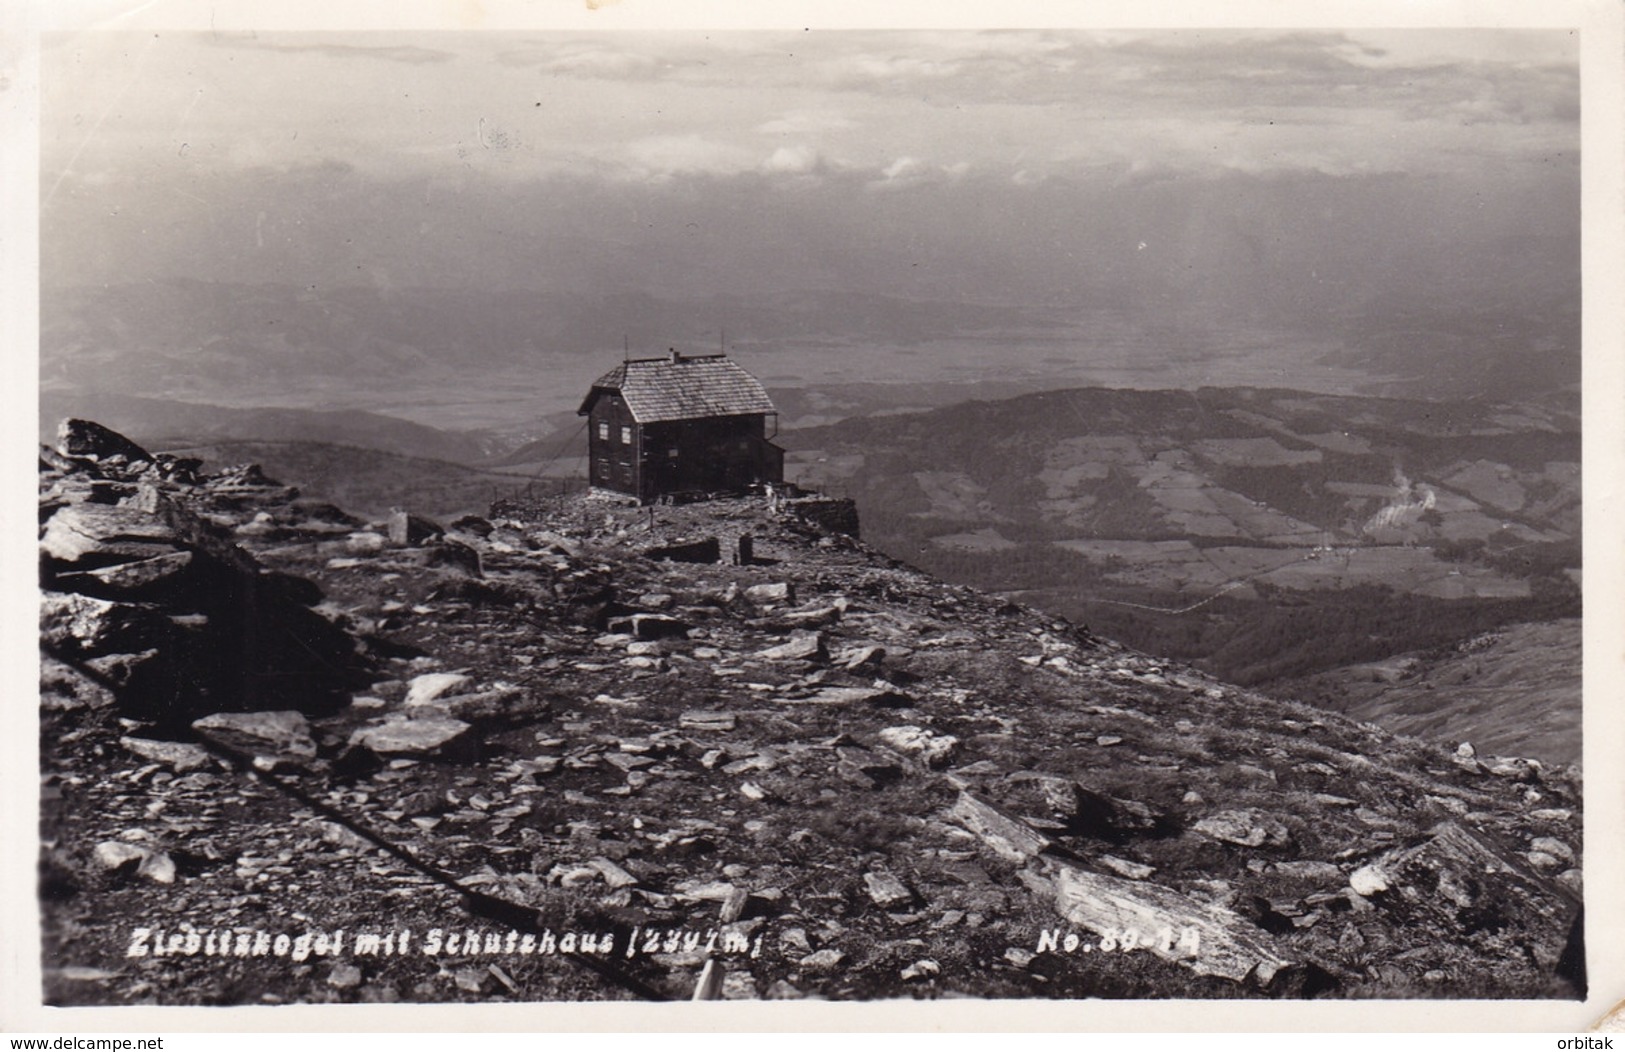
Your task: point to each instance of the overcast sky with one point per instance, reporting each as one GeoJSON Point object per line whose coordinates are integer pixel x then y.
{"type": "Point", "coordinates": [894, 109]}
{"type": "Point", "coordinates": [1297, 172]}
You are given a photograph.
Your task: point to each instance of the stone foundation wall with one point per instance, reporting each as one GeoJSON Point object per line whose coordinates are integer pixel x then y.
{"type": "Point", "coordinates": [837, 515]}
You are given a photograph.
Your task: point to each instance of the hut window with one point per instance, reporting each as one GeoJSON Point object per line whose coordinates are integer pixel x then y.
{"type": "Point", "coordinates": [603, 430]}
{"type": "Point", "coordinates": [672, 452]}
{"type": "Point", "coordinates": [626, 436]}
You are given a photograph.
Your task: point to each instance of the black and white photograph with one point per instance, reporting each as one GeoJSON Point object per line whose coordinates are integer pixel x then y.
{"type": "Point", "coordinates": [800, 513]}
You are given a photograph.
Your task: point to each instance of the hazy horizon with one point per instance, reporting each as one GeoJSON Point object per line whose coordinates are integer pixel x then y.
{"type": "Point", "coordinates": [1395, 203]}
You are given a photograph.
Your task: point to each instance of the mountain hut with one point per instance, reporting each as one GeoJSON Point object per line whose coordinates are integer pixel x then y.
{"type": "Point", "coordinates": [680, 425]}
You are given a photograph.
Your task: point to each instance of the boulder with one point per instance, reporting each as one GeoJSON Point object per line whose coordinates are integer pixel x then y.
{"type": "Point", "coordinates": [925, 968]}
{"type": "Point", "coordinates": [119, 856]}
{"type": "Point", "coordinates": [1009, 838]}
{"type": "Point", "coordinates": [613, 875]}
{"type": "Point", "coordinates": [649, 627]}
{"type": "Point", "coordinates": [658, 626]}
{"type": "Point", "coordinates": [230, 635]}
{"type": "Point", "coordinates": [885, 890]}
{"type": "Point", "coordinates": [365, 542]}
{"type": "Point", "coordinates": [344, 977]}
{"type": "Point", "coordinates": [1206, 938]}
{"type": "Point", "coordinates": [560, 543]}
{"type": "Point", "coordinates": [814, 617]}
{"type": "Point", "coordinates": [184, 470]}
{"type": "Point", "coordinates": [1112, 818]}
{"type": "Point", "coordinates": [932, 749]}
{"type": "Point", "coordinates": [156, 578]}
{"type": "Point", "coordinates": [1245, 827]}
{"type": "Point", "coordinates": [86, 438]}
{"type": "Point", "coordinates": [86, 536]}
{"type": "Point", "coordinates": [66, 689]}
{"type": "Point", "coordinates": [52, 462]}
{"type": "Point", "coordinates": [777, 592]}
{"type": "Point", "coordinates": [802, 646]}
{"type": "Point", "coordinates": [243, 476]}
{"type": "Point", "coordinates": [407, 530]}
{"type": "Point", "coordinates": [116, 854]}
{"type": "Point", "coordinates": [414, 737]}
{"type": "Point", "coordinates": [1514, 768]}
{"type": "Point", "coordinates": [501, 703]}
{"type": "Point", "coordinates": [826, 960]}
{"type": "Point", "coordinates": [1472, 886]}
{"type": "Point", "coordinates": [82, 626]}
{"type": "Point", "coordinates": [1553, 847]}
{"type": "Point", "coordinates": [1324, 872]}
{"type": "Point", "coordinates": [127, 672]}
{"type": "Point", "coordinates": [1368, 881]}
{"type": "Point", "coordinates": [431, 685]}
{"type": "Point", "coordinates": [180, 757]}
{"type": "Point", "coordinates": [277, 736]}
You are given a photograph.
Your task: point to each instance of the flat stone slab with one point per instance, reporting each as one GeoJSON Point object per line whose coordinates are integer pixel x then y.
{"type": "Point", "coordinates": [801, 647]}
{"type": "Point", "coordinates": [281, 734]}
{"type": "Point", "coordinates": [1207, 939]}
{"type": "Point", "coordinates": [706, 720]}
{"type": "Point", "coordinates": [499, 704]}
{"type": "Point", "coordinates": [1007, 837]}
{"type": "Point", "coordinates": [411, 737]}
{"type": "Point", "coordinates": [431, 685]}
{"type": "Point", "coordinates": [110, 532]}
{"type": "Point", "coordinates": [885, 890]}
{"type": "Point", "coordinates": [778, 592]}
{"type": "Point", "coordinates": [180, 757]}
{"type": "Point", "coordinates": [850, 696]}
{"type": "Point", "coordinates": [134, 578]}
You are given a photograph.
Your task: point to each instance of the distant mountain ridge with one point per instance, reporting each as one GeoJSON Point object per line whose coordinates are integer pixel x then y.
{"type": "Point", "coordinates": [164, 421]}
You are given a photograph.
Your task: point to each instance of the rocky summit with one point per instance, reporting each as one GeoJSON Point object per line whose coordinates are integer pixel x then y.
{"type": "Point", "coordinates": [580, 750]}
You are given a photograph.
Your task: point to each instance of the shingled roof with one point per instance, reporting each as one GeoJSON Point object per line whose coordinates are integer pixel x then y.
{"type": "Point", "coordinates": [682, 388]}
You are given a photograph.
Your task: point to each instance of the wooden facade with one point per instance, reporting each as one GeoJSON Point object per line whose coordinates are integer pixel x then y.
{"type": "Point", "coordinates": [679, 425]}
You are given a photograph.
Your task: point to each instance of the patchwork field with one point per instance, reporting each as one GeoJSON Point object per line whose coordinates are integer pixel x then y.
{"type": "Point", "coordinates": [1264, 533]}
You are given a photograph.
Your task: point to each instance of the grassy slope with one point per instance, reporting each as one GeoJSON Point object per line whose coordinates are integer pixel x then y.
{"type": "Point", "coordinates": [1510, 691]}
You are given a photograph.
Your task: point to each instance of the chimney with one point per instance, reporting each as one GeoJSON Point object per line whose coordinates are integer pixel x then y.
{"type": "Point", "coordinates": [675, 357]}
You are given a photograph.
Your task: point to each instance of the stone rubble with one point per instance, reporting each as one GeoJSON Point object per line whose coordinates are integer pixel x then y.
{"type": "Point", "coordinates": [861, 766]}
